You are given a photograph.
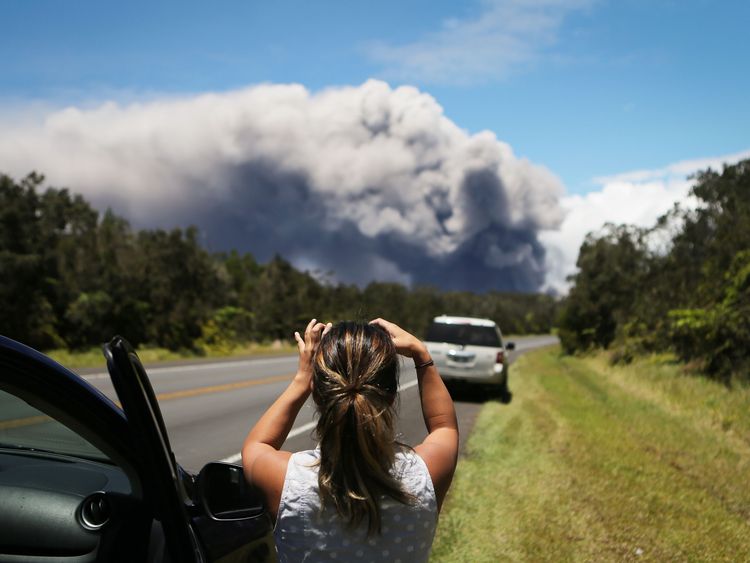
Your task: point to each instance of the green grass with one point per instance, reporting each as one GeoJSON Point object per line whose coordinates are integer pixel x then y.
{"type": "Point", "coordinates": [93, 358]}
{"type": "Point", "coordinates": [597, 463]}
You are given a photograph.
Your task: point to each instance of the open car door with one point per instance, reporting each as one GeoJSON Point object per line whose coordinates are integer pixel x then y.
{"type": "Point", "coordinates": [158, 469]}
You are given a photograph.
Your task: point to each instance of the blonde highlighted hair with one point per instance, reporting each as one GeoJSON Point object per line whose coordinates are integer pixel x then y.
{"type": "Point", "coordinates": [355, 382]}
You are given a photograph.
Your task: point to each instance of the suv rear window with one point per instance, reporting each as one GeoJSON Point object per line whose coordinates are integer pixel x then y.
{"type": "Point", "coordinates": [464, 334]}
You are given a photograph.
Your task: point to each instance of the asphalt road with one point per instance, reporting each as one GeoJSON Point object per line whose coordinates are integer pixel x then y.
{"type": "Point", "coordinates": [209, 407]}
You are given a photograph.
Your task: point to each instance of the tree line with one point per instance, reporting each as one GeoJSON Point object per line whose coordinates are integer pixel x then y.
{"type": "Point", "coordinates": [72, 277]}
{"type": "Point", "coordinates": [682, 285]}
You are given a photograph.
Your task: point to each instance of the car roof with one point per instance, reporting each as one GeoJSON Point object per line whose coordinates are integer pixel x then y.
{"type": "Point", "coordinates": [445, 319]}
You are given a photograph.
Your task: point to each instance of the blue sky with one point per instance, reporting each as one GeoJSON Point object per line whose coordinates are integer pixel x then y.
{"type": "Point", "coordinates": [592, 89]}
{"type": "Point", "coordinates": [621, 100]}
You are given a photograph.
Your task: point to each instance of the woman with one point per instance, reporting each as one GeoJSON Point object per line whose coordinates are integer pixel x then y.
{"type": "Point", "coordinates": [360, 495]}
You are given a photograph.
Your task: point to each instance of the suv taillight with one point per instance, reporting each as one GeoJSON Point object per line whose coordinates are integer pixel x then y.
{"type": "Point", "coordinates": [500, 357]}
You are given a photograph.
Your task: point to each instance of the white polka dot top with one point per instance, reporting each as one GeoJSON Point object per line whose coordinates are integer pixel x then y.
{"type": "Point", "coordinates": [306, 532]}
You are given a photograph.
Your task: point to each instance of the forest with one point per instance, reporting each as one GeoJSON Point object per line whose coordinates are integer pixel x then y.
{"type": "Point", "coordinates": [680, 286]}
{"type": "Point", "coordinates": [72, 277]}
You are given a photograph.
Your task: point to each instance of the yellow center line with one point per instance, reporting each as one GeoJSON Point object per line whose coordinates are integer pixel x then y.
{"type": "Point", "coordinates": [220, 388]}
{"type": "Point", "coordinates": [195, 392]}
{"type": "Point", "coordinates": [18, 422]}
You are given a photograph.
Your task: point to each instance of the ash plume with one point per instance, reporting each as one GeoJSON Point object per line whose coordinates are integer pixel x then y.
{"type": "Point", "coordinates": [369, 182]}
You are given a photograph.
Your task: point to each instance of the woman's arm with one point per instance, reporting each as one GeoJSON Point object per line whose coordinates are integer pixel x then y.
{"type": "Point", "coordinates": [262, 461]}
{"type": "Point", "coordinates": [439, 450]}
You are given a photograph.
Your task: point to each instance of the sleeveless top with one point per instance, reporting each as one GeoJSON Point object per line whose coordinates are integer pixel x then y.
{"type": "Point", "coordinates": [306, 532]}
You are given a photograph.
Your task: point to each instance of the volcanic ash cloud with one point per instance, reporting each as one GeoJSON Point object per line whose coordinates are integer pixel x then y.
{"type": "Point", "coordinates": [370, 182]}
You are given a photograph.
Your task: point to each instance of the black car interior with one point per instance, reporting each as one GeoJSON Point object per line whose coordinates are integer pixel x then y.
{"type": "Point", "coordinates": [70, 484]}
{"type": "Point", "coordinates": [53, 506]}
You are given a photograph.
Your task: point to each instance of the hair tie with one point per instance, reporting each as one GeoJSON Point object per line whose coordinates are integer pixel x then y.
{"type": "Point", "coordinates": [352, 391]}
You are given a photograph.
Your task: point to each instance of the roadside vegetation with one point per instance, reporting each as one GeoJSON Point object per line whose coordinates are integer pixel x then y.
{"type": "Point", "coordinates": [594, 462]}
{"type": "Point", "coordinates": [681, 286]}
{"type": "Point", "coordinates": [72, 277]}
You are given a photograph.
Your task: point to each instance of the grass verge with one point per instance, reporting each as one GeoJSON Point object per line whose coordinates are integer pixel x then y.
{"type": "Point", "coordinates": [597, 463]}
{"type": "Point", "coordinates": [93, 357]}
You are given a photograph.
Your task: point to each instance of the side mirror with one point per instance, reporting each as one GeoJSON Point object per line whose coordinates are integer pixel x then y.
{"type": "Point", "coordinates": [510, 346]}
{"type": "Point", "coordinates": [225, 495]}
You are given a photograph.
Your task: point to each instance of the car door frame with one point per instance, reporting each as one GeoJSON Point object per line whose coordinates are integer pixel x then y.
{"type": "Point", "coordinates": [159, 471]}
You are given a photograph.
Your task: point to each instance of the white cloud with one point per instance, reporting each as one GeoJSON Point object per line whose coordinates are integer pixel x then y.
{"type": "Point", "coordinates": [503, 36]}
{"type": "Point", "coordinates": [677, 171]}
{"type": "Point", "coordinates": [635, 198]}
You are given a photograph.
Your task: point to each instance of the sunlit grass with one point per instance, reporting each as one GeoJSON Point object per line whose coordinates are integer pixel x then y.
{"type": "Point", "coordinates": [93, 357]}
{"type": "Point", "coordinates": [597, 463]}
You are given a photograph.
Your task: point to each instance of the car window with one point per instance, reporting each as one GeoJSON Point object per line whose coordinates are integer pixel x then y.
{"type": "Point", "coordinates": [25, 427]}
{"type": "Point", "coordinates": [464, 334]}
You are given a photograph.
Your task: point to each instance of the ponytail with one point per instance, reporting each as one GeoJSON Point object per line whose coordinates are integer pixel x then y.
{"type": "Point", "coordinates": [354, 387]}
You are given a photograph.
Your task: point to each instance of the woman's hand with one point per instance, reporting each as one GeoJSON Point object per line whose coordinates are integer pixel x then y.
{"type": "Point", "coordinates": [406, 343]}
{"type": "Point", "coordinates": [308, 346]}
{"type": "Point", "coordinates": [263, 461]}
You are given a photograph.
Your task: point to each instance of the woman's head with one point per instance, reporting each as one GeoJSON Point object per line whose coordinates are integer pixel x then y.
{"type": "Point", "coordinates": [355, 383]}
{"type": "Point", "coordinates": [355, 359]}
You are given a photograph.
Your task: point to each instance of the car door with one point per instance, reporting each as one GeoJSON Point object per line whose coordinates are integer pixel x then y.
{"type": "Point", "coordinates": [70, 489]}
{"type": "Point", "coordinates": [160, 473]}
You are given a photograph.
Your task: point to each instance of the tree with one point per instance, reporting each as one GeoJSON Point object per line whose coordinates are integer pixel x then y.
{"type": "Point", "coordinates": [72, 277]}
{"type": "Point", "coordinates": [689, 297]}
{"type": "Point", "coordinates": [611, 269]}
{"type": "Point", "coordinates": [181, 284]}
{"type": "Point", "coordinates": [285, 299]}
{"type": "Point", "coordinates": [28, 284]}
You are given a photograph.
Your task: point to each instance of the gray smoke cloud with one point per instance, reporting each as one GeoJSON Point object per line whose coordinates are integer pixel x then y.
{"type": "Point", "coordinates": [370, 182]}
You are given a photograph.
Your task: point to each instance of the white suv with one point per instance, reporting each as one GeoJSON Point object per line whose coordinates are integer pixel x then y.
{"type": "Point", "coordinates": [469, 350]}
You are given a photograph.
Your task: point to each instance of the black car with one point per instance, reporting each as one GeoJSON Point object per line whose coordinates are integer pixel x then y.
{"type": "Point", "coordinates": [83, 480]}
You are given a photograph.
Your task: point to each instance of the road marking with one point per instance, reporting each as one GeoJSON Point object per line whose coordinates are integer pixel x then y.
{"type": "Point", "coordinates": [18, 422]}
{"type": "Point", "coordinates": [520, 343]}
{"type": "Point", "coordinates": [220, 388]}
{"type": "Point", "coordinates": [407, 385]}
{"type": "Point", "coordinates": [196, 367]}
{"type": "Point", "coordinates": [28, 421]}
{"type": "Point", "coordinates": [294, 432]}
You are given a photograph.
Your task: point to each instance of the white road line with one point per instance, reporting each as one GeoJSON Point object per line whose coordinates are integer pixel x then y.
{"type": "Point", "coordinates": [196, 367]}
{"type": "Point", "coordinates": [305, 427]}
{"type": "Point", "coordinates": [294, 432]}
{"type": "Point", "coordinates": [408, 385]}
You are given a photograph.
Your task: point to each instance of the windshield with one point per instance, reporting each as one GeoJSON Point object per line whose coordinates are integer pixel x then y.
{"type": "Point", "coordinates": [25, 427]}
{"type": "Point", "coordinates": [464, 334]}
